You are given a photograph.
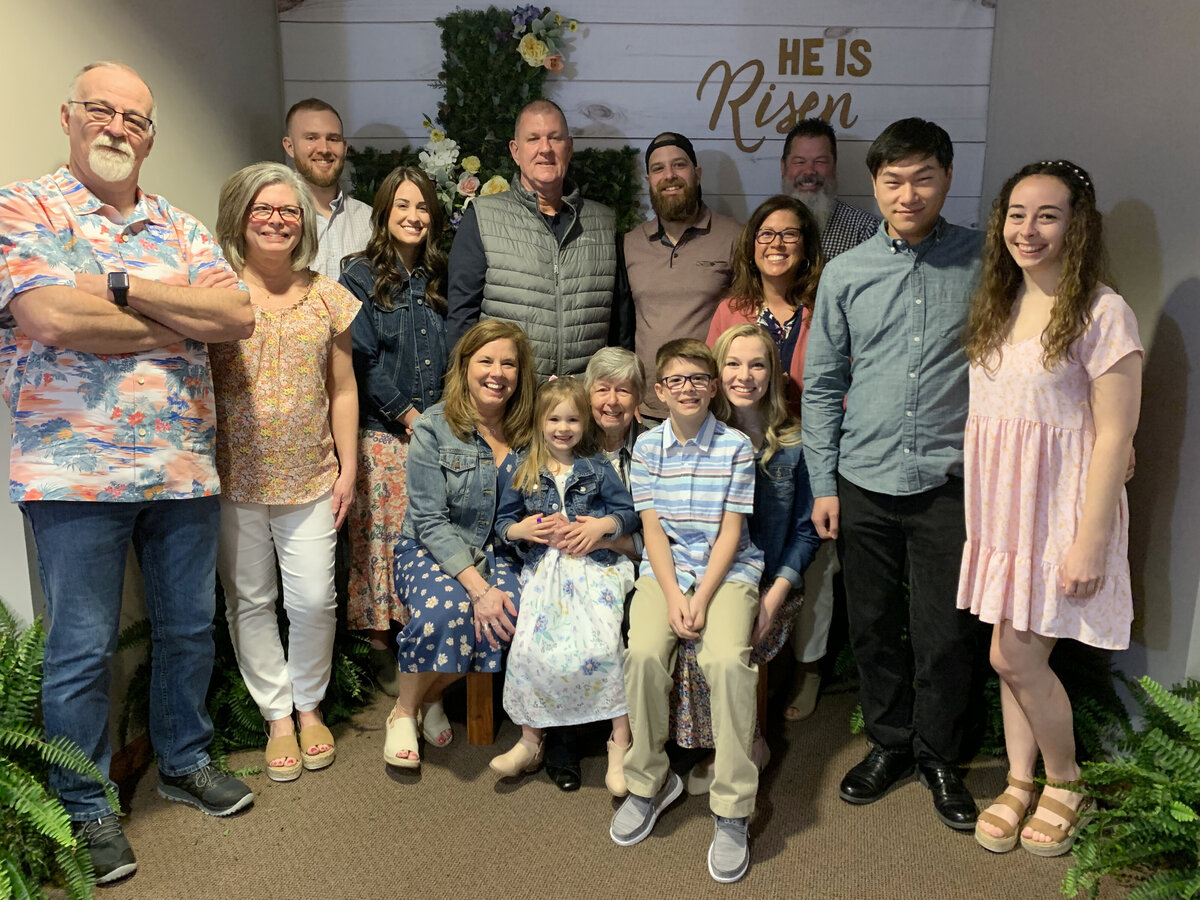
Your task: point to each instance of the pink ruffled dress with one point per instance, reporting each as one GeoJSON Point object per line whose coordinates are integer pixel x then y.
{"type": "Point", "coordinates": [1028, 446]}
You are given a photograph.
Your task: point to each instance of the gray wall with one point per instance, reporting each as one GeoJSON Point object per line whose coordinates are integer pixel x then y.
{"type": "Point", "coordinates": [1115, 87]}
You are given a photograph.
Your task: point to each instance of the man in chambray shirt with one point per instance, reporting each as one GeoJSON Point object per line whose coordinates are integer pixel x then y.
{"type": "Point", "coordinates": [886, 468]}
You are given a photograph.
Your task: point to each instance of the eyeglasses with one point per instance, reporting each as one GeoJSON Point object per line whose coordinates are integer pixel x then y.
{"type": "Point", "coordinates": [101, 114]}
{"type": "Point", "coordinates": [675, 383]}
{"type": "Point", "coordinates": [262, 212]}
{"type": "Point", "coordinates": [788, 236]}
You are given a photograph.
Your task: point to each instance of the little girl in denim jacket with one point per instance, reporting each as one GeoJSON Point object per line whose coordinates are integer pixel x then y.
{"type": "Point", "coordinates": [563, 506]}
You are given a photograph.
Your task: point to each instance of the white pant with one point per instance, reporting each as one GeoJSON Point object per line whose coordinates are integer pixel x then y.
{"type": "Point", "coordinates": [810, 633]}
{"type": "Point", "coordinates": [303, 539]}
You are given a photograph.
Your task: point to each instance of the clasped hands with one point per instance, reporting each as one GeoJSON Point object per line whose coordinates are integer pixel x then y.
{"type": "Point", "coordinates": [577, 537]}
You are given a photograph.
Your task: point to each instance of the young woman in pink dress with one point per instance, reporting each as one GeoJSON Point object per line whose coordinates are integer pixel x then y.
{"type": "Point", "coordinates": [1056, 368]}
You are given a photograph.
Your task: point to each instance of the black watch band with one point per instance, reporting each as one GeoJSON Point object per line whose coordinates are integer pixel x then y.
{"type": "Point", "coordinates": [118, 284]}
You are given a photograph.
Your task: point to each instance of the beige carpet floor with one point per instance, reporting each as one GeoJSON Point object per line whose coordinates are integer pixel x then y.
{"type": "Point", "coordinates": [356, 830]}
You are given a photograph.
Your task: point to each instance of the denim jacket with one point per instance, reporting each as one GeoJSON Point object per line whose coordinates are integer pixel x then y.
{"type": "Point", "coordinates": [452, 490]}
{"type": "Point", "coordinates": [593, 488]}
{"type": "Point", "coordinates": [781, 525]}
{"type": "Point", "coordinates": [399, 353]}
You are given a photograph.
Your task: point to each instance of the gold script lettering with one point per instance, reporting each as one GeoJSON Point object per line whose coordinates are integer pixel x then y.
{"type": "Point", "coordinates": [790, 112]}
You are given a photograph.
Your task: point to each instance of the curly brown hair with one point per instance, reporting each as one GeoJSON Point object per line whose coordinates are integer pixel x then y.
{"type": "Point", "coordinates": [381, 248]}
{"type": "Point", "coordinates": [1001, 279]}
{"type": "Point", "coordinates": [746, 292]}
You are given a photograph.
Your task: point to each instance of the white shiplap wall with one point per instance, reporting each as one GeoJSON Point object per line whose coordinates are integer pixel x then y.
{"type": "Point", "coordinates": [635, 68]}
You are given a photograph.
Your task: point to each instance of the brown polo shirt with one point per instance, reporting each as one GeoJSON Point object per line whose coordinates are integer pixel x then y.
{"type": "Point", "coordinates": [676, 288]}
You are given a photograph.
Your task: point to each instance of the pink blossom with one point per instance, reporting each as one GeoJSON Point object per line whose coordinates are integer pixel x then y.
{"type": "Point", "coordinates": [468, 185]}
{"type": "Point", "coordinates": [554, 62]}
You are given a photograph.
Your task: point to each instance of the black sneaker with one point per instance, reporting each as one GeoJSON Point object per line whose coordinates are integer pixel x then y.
{"type": "Point", "coordinates": [112, 857]}
{"type": "Point", "coordinates": [208, 789]}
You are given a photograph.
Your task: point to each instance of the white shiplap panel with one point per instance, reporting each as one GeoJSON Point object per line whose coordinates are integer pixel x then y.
{"type": "Point", "coordinates": [630, 111]}
{"type": "Point", "coordinates": [653, 53]}
{"type": "Point", "coordinates": [828, 13]}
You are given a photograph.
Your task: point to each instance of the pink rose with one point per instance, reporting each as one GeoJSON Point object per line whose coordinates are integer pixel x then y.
{"type": "Point", "coordinates": [554, 63]}
{"type": "Point", "coordinates": [468, 185]}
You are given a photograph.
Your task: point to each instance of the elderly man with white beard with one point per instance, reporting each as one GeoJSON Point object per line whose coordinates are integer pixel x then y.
{"type": "Point", "coordinates": [109, 297]}
{"type": "Point", "coordinates": [808, 168]}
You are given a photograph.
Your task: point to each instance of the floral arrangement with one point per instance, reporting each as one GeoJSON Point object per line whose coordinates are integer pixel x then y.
{"type": "Point", "coordinates": [539, 34]}
{"type": "Point", "coordinates": [457, 181]}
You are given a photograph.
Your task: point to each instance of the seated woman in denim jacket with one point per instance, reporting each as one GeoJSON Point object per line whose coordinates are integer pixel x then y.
{"type": "Point", "coordinates": [399, 363]}
{"type": "Point", "coordinates": [461, 597]}
{"type": "Point", "coordinates": [751, 381]}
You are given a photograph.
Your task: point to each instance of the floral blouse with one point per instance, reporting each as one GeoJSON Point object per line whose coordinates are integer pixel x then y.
{"type": "Point", "coordinates": [274, 443]}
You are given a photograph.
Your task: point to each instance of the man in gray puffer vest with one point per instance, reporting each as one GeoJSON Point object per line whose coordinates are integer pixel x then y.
{"type": "Point", "coordinates": [539, 254]}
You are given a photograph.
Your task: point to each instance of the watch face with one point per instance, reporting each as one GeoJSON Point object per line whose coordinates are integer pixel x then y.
{"type": "Point", "coordinates": [118, 281]}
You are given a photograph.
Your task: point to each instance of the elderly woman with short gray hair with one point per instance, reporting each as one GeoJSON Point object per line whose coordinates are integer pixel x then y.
{"type": "Point", "coordinates": [286, 401]}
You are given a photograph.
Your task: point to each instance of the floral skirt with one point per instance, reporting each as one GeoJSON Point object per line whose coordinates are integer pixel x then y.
{"type": "Point", "coordinates": [564, 667]}
{"type": "Point", "coordinates": [440, 635]}
{"type": "Point", "coordinates": [373, 528]}
{"type": "Point", "coordinates": [691, 714]}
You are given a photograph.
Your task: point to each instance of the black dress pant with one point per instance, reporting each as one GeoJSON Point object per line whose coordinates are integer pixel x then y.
{"type": "Point", "coordinates": [916, 693]}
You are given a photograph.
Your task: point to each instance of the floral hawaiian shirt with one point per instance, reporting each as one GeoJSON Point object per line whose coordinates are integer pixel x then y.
{"type": "Point", "coordinates": [122, 426]}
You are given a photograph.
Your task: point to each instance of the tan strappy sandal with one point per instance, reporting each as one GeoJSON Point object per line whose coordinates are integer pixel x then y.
{"type": "Point", "coordinates": [1009, 833]}
{"type": "Point", "coordinates": [1064, 838]}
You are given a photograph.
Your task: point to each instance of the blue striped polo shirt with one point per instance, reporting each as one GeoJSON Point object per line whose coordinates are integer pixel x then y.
{"type": "Point", "coordinates": [690, 485]}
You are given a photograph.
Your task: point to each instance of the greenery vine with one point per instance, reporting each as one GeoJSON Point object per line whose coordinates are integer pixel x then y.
{"type": "Point", "coordinates": [37, 842]}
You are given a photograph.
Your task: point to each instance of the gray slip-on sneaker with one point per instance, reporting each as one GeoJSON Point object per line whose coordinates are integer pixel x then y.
{"type": "Point", "coordinates": [729, 852]}
{"type": "Point", "coordinates": [634, 819]}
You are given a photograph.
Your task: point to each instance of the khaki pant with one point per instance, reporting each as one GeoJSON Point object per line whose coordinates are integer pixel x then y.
{"type": "Point", "coordinates": [723, 651]}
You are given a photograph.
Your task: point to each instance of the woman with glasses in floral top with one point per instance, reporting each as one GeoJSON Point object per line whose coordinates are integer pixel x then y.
{"type": "Point", "coordinates": [287, 411]}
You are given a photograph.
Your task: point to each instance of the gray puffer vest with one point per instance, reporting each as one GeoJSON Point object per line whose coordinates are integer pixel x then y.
{"type": "Point", "coordinates": [561, 295]}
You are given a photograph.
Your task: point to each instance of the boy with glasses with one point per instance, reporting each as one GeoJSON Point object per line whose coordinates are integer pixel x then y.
{"type": "Point", "coordinates": [692, 480]}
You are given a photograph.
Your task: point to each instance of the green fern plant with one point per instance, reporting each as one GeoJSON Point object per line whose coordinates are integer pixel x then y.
{"type": "Point", "coordinates": [37, 843]}
{"type": "Point", "coordinates": [1146, 830]}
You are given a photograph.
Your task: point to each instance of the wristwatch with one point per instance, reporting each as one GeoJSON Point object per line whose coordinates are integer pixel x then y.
{"type": "Point", "coordinates": [118, 283]}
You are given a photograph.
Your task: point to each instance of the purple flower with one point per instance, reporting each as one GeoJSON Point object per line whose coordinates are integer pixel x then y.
{"type": "Point", "coordinates": [518, 20]}
{"type": "Point", "coordinates": [455, 218]}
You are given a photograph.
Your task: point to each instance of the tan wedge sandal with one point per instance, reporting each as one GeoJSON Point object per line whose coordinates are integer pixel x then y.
{"type": "Point", "coordinates": [283, 747]}
{"type": "Point", "coordinates": [1064, 838]}
{"type": "Point", "coordinates": [1009, 833]}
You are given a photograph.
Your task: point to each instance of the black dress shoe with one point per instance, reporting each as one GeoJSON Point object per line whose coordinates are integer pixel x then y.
{"type": "Point", "coordinates": [951, 800]}
{"type": "Point", "coordinates": [565, 778]}
{"type": "Point", "coordinates": [871, 778]}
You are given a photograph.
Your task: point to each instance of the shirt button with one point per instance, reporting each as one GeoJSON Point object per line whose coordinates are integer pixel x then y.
{"type": "Point", "coordinates": [141, 432]}
{"type": "Point", "coordinates": [426, 362]}
{"type": "Point", "coordinates": [141, 379]}
{"type": "Point", "coordinates": [906, 450]}
{"type": "Point", "coordinates": [912, 374]}
{"type": "Point", "coordinates": [918, 301]}
{"type": "Point", "coordinates": [908, 412]}
{"type": "Point", "coordinates": [917, 339]}
{"type": "Point", "coordinates": [422, 331]}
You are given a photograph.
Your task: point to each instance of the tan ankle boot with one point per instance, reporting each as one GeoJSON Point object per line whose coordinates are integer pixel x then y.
{"type": "Point", "coordinates": [525, 756]}
{"type": "Point", "coordinates": [614, 778]}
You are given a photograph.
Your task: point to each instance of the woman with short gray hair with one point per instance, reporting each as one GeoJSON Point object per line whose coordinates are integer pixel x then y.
{"type": "Point", "coordinates": [616, 382]}
{"type": "Point", "coordinates": [286, 401]}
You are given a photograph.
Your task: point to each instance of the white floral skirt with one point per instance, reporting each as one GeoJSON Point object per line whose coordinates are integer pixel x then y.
{"type": "Point", "coordinates": [564, 667]}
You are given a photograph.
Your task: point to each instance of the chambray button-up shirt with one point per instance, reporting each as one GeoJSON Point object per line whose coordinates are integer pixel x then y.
{"type": "Point", "coordinates": [887, 336]}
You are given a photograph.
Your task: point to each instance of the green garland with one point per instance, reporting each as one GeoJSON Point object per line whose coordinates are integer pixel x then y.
{"type": "Point", "coordinates": [485, 83]}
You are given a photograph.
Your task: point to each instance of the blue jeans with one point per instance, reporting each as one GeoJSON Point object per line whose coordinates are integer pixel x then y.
{"type": "Point", "coordinates": [82, 548]}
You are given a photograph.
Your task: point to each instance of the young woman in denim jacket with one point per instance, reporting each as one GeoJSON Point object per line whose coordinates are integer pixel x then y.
{"type": "Point", "coordinates": [780, 526]}
{"type": "Point", "coordinates": [462, 598]}
{"type": "Point", "coordinates": [565, 500]}
{"type": "Point", "coordinates": [399, 361]}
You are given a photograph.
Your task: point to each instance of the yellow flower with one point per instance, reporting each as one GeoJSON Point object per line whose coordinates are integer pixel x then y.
{"type": "Point", "coordinates": [558, 19]}
{"type": "Point", "coordinates": [495, 185]}
{"type": "Point", "coordinates": [471, 164]}
{"type": "Point", "coordinates": [437, 135]}
{"type": "Point", "coordinates": [532, 50]}
{"type": "Point", "coordinates": [572, 25]}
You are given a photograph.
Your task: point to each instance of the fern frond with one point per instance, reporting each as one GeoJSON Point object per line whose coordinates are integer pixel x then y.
{"type": "Point", "coordinates": [1182, 712]}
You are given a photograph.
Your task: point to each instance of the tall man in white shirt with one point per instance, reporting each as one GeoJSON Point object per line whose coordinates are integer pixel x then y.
{"type": "Point", "coordinates": [315, 143]}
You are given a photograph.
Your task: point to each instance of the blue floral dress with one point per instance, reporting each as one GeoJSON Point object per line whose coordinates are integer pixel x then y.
{"type": "Point", "coordinates": [564, 667]}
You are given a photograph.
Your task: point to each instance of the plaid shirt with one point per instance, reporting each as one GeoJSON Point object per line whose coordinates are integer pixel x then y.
{"type": "Point", "coordinates": [690, 485]}
{"type": "Point", "coordinates": [847, 227]}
